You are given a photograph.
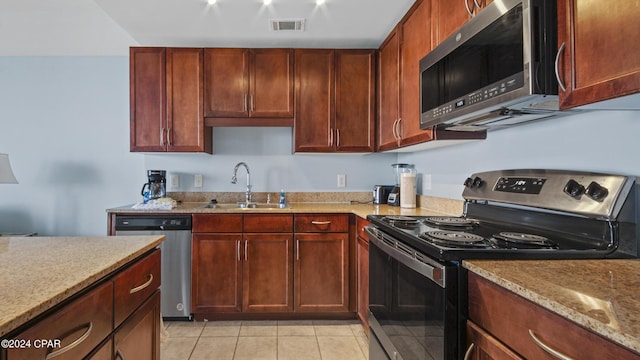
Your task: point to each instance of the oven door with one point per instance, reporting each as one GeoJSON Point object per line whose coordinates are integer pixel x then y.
{"type": "Point", "coordinates": [412, 302]}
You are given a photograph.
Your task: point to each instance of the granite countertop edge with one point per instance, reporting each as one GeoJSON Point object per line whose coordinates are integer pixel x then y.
{"type": "Point", "coordinates": [26, 305]}
{"type": "Point", "coordinates": [558, 305]}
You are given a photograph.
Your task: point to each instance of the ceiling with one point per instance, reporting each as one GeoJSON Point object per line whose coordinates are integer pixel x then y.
{"type": "Point", "coordinates": [110, 27]}
{"type": "Point", "coordinates": [245, 23]}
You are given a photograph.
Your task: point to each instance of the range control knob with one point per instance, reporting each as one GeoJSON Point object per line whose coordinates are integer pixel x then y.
{"type": "Point", "coordinates": [596, 191]}
{"type": "Point", "coordinates": [475, 182]}
{"type": "Point", "coordinates": [574, 189]}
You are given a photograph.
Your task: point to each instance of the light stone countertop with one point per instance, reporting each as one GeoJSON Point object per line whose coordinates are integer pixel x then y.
{"type": "Point", "coordinates": [37, 273]}
{"type": "Point", "coordinates": [361, 210]}
{"type": "Point", "coordinates": [600, 295]}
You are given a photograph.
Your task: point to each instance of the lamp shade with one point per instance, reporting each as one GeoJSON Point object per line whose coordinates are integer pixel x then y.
{"type": "Point", "coordinates": [6, 174]}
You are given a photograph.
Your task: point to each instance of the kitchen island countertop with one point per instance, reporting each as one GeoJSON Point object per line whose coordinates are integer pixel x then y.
{"type": "Point", "coordinates": [39, 273]}
{"type": "Point", "coordinates": [600, 295]}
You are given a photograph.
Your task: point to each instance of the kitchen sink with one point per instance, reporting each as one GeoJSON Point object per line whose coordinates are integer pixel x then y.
{"type": "Point", "coordinates": [241, 205]}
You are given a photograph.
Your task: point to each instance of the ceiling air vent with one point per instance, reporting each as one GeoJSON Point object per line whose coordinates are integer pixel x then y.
{"type": "Point", "coordinates": [287, 25]}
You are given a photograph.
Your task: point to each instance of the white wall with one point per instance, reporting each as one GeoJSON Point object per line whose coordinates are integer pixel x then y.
{"type": "Point", "coordinates": [601, 141]}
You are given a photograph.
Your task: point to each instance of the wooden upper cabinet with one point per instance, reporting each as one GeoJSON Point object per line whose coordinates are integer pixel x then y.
{"type": "Point", "coordinates": [166, 100]}
{"type": "Point", "coordinates": [449, 15]}
{"type": "Point", "coordinates": [416, 43]}
{"type": "Point", "coordinates": [226, 82]}
{"type": "Point", "coordinates": [185, 121]}
{"type": "Point", "coordinates": [271, 83]}
{"type": "Point", "coordinates": [148, 98]}
{"type": "Point", "coordinates": [354, 129]}
{"type": "Point", "coordinates": [389, 92]}
{"type": "Point", "coordinates": [315, 100]}
{"type": "Point", "coordinates": [243, 83]}
{"type": "Point", "coordinates": [335, 95]}
{"type": "Point", "coordinates": [596, 59]}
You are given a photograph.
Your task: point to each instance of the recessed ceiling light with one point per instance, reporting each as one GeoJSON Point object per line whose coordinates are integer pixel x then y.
{"type": "Point", "coordinates": [319, 2]}
{"type": "Point", "coordinates": [266, 2]}
{"type": "Point", "coordinates": [211, 2]}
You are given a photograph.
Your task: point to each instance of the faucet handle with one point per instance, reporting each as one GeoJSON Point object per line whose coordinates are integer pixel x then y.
{"type": "Point", "coordinates": [268, 198]}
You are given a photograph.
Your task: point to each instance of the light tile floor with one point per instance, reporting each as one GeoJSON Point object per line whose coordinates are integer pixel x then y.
{"type": "Point", "coordinates": [273, 340]}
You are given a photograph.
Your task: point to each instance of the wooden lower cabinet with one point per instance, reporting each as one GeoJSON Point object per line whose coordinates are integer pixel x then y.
{"type": "Point", "coordinates": [527, 328]}
{"type": "Point", "coordinates": [86, 325]}
{"type": "Point", "coordinates": [136, 338]}
{"type": "Point", "coordinates": [216, 278]}
{"type": "Point", "coordinates": [362, 273]}
{"type": "Point", "coordinates": [268, 274]}
{"type": "Point", "coordinates": [483, 346]}
{"type": "Point", "coordinates": [277, 265]}
{"type": "Point", "coordinates": [322, 272]}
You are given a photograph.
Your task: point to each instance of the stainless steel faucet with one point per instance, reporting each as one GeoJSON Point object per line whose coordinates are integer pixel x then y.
{"type": "Point", "coordinates": [234, 179]}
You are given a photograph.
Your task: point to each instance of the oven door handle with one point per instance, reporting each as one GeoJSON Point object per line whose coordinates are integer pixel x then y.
{"type": "Point", "coordinates": [407, 256]}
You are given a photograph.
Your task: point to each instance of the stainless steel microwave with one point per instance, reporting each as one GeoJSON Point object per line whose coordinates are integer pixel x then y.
{"type": "Point", "coordinates": [497, 70]}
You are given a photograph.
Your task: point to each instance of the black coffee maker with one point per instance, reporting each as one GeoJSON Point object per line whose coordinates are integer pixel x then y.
{"type": "Point", "coordinates": [157, 186]}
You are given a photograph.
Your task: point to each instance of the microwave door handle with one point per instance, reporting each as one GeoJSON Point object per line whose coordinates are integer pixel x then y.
{"type": "Point", "coordinates": [557, 62]}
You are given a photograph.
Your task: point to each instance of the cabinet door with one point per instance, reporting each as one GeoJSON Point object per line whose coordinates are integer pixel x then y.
{"type": "Point", "coordinates": [482, 346]}
{"type": "Point", "coordinates": [322, 272]}
{"type": "Point", "coordinates": [185, 119]}
{"type": "Point", "coordinates": [362, 278]}
{"type": "Point", "coordinates": [268, 274]}
{"type": "Point", "coordinates": [226, 82]}
{"type": "Point", "coordinates": [597, 60]}
{"type": "Point", "coordinates": [315, 101]}
{"type": "Point", "coordinates": [416, 43]}
{"type": "Point", "coordinates": [355, 100]}
{"type": "Point", "coordinates": [139, 336]}
{"type": "Point", "coordinates": [147, 92]}
{"type": "Point", "coordinates": [216, 276]}
{"type": "Point", "coordinates": [271, 83]}
{"type": "Point", "coordinates": [389, 92]}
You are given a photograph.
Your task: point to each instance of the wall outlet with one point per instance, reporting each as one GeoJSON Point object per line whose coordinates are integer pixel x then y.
{"type": "Point", "coordinates": [174, 181]}
{"type": "Point", "coordinates": [197, 181]}
{"type": "Point", "coordinates": [342, 180]}
{"type": "Point", "coordinates": [426, 181]}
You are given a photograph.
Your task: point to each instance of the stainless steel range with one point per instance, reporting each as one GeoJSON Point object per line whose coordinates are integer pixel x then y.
{"type": "Point", "coordinates": [417, 287]}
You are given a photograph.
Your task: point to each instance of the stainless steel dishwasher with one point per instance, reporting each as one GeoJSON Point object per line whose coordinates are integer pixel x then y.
{"type": "Point", "coordinates": [175, 288]}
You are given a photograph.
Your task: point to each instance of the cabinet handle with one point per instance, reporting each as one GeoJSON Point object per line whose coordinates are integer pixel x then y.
{"type": "Point", "coordinates": [244, 103]}
{"type": "Point", "coordinates": [252, 104]}
{"type": "Point", "coordinates": [562, 87]}
{"type": "Point", "coordinates": [399, 139]}
{"type": "Point", "coordinates": [238, 250]}
{"type": "Point", "coordinates": [119, 355]}
{"type": "Point", "coordinates": [330, 136]}
{"type": "Point", "coordinates": [143, 286]}
{"type": "Point", "coordinates": [466, 5]}
{"type": "Point", "coordinates": [169, 137]}
{"type": "Point", "coordinates": [394, 129]}
{"type": "Point", "coordinates": [467, 355]}
{"type": "Point", "coordinates": [75, 343]}
{"type": "Point", "coordinates": [547, 348]}
{"type": "Point", "coordinates": [162, 137]}
{"type": "Point", "coordinates": [246, 258]}
{"type": "Point", "coordinates": [297, 249]}
{"type": "Point", "coordinates": [475, 2]}
{"type": "Point", "coordinates": [314, 222]}
{"type": "Point", "coordinates": [337, 137]}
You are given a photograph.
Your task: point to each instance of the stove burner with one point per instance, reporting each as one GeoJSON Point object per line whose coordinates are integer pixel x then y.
{"type": "Point", "coordinates": [402, 221]}
{"type": "Point", "coordinates": [514, 240]}
{"type": "Point", "coordinates": [450, 221]}
{"type": "Point", "coordinates": [454, 239]}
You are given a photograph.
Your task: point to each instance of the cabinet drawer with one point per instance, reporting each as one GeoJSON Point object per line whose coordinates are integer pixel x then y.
{"type": "Point", "coordinates": [261, 223]}
{"type": "Point", "coordinates": [80, 326]}
{"type": "Point", "coordinates": [515, 321]}
{"type": "Point", "coordinates": [360, 224]}
{"type": "Point", "coordinates": [216, 223]}
{"type": "Point", "coordinates": [134, 285]}
{"type": "Point", "coordinates": [322, 223]}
